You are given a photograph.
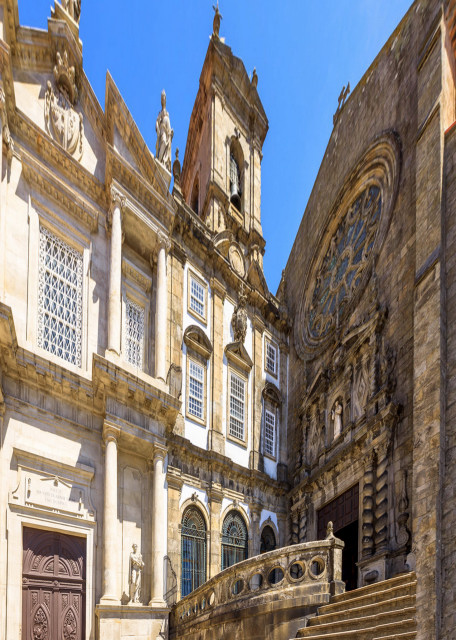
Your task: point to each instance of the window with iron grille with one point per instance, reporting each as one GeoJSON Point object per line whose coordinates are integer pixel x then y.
{"type": "Point", "coordinates": [197, 297]}
{"type": "Point", "coordinates": [134, 334]}
{"type": "Point", "coordinates": [234, 539]}
{"type": "Point", "coordinates": [193, 551]}
{"type": "Point", "coordinates": [269, 433]}
{"type": "Point", "coordinates": [196, 390]}
{"type": "Point", "coordinates": [60, 298]}
{"type": "Point", "coordinates": [237, 406]}
{"type": "Point", "coordinates": [271, 358]}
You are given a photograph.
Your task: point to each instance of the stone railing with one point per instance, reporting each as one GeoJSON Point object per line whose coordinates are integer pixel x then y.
{"type": "Point", "coordinates": [287, 580]}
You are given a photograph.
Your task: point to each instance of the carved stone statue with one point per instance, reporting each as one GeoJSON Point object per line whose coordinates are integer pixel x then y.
{"type": "Point", "coordinates": [136, 567]}
{"type": "Point", "coordinates": [217, 19]}
{"type": "Point", "coordinates": [239, 319]}
{"type": "Point", "coordinates": [336, 417]}
{"type": "Point", "coordinates": [164, 135]}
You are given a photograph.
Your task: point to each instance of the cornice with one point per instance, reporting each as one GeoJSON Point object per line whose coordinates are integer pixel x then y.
{"type": "Point", "coordinates": [53, 155]}
{"type": "Point", "coordinates": [161, 204]}
{"type": "Point", "coordinates": [49, 184]}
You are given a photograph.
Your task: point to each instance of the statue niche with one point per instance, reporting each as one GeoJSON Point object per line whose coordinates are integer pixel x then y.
{"type": "Point", "coordinates": [315, 438]}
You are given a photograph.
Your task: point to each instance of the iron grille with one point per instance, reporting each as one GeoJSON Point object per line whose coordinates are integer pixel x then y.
{"type": "Point", "coordinates": [193, 551]}
{"type": "Point", "coordinates": [234, 540]}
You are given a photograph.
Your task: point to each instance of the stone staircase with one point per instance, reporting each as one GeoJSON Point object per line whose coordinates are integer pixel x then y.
{"type": "Point", "coordinates": [383, 610]}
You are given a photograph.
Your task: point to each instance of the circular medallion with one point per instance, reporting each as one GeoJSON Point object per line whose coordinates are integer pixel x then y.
{"type": "Point", "coordinates": [236, 260]}
{"type": "Point", "coordinates": [355, 232]}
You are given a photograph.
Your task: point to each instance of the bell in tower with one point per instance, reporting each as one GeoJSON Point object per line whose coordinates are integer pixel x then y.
{"type": "Point", "coordinates": [235, 183]}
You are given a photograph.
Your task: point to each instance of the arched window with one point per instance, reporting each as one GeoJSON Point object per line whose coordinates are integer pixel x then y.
{"type": "Point", "coordinates": [268, 539]}
{"type": "Point", "coordinates": [193, 551]}
{"type": "Point", "coordinates": [234, 539]}
{"type": "Point", "coordinates": [235, 176]}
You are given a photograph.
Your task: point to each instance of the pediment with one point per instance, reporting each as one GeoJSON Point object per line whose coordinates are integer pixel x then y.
{"type": "Point", "coordinates": [237, 354]}
{"type": "Point", "coordinates": [271, 392]}
{"type": "Point", "coordinates": [197, 340]}
{"type": "Point", "coordinates": [125, 138]}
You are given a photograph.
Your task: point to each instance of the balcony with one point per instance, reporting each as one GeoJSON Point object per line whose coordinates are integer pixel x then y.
{"type": "Point", "coordinates": [268, 596]}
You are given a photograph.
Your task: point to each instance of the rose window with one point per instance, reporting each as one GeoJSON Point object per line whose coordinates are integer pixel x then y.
{"type": "Point", "coordinates": [344, 263]}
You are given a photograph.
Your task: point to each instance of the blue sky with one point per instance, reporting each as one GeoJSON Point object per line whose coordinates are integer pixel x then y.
{"type": "Point", "coordinates": [304, 52]}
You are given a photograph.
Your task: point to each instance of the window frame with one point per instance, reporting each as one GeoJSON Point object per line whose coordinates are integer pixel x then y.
{"type": "Point", "coordinates": [130, 300]}
{"type": "Point", "coordinates": [268, 342]}
{"type": "Point", "coordinates": [51, 229]}
{"type": "Point", "coordinates": [191, 275]}
{"type": "Point", "coordinates": [200, 361]}
{"type": "Point", "coordinates": [271, 410]}
{"type": "Point", "coordinates": [230, 436]}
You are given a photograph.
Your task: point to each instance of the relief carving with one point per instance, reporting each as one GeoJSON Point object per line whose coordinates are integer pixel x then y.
{"type": "Point", "coordinates": [360, 388]}
{"type": "Point", "coordinates": [70, 626]}
{"type": "Point", "coordinates": [403, 534]}
{"type": "Point", "coordinates": [316, 436]}
{"type": "Point", "coordinates": [239, 318]}
{"type": "Point", "coordinates": [40, 625]}
{"type": "Point", "coordinates": [63, 123]}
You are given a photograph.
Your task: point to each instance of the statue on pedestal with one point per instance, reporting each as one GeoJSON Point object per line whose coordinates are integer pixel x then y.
{"type": "Point", "coordinates": [336, 416]}
{"type": "Point", "coordinates": [136, 567]}
{"type": "Point", "coordinates": [164, 135]}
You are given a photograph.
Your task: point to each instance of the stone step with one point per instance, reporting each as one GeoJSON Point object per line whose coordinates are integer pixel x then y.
{"type": "Point", "coordinates": [396, 591]}
{"type": "Point", "coordinates": [351, 611]}
{"type": "Point", "coordinates": [401, 579]}
{"type": "Point", "coordinates": [389, 618]}
{"type": "Point", "coordinates": [403, 630]}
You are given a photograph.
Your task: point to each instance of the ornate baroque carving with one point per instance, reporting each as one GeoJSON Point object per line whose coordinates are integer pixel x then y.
{"type": "Point", "coordinates": [63, 123]}
{"type": "Point", "coordinates": [368, 506]}
{"type": "Point", "coordinates": [381, 498]}
{"type": "Point", "coordinates": [239, 318]}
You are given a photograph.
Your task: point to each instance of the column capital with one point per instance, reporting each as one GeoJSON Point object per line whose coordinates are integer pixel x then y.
{"type": "Point", "coordinates": [159, 452]}
{"type": "Point", "coordinates": [117, 199]}
{"type": "Point", "coordinates": [110, 432]}
{"type": "Point", "coordinates": [163, 241]}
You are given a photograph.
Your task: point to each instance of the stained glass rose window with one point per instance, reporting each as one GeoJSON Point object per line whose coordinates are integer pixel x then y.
{"type": "Point", "coordinates": [346, 250]}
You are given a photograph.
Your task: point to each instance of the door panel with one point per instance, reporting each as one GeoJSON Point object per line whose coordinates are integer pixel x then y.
{"type": "Point", "coordinates": [53, 586]}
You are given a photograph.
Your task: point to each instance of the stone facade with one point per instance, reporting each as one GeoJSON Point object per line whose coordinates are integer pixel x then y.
{"type": "Point", "coordinates": [148, 376]}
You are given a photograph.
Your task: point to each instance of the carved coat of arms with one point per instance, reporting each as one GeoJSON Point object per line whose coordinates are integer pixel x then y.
{"type": "Point", "coordinates": [63, 122]}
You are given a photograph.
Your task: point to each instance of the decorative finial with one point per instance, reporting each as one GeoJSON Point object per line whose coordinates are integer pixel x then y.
{"type": "Point", "coordinates": [73, 8]}
{"type": "Point", "coordinates": [177, 168]}
{"type": "Point", "coordinates": [254, 78]}
{"type": "Point", "coordinates": [329, 530]}
{"type": "Point", "coordinates": [217, 17]}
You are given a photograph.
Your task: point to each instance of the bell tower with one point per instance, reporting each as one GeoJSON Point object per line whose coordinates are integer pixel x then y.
{"type": "Point", "coordinates": [221, 173]}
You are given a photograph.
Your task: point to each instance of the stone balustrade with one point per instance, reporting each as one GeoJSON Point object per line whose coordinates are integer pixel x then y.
{"type": "Point", "coordinates": [279, 587]}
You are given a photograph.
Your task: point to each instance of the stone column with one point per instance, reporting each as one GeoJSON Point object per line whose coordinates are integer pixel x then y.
{"type": "Point", "coordinates": [161, 308]}
{"type": "Point", "coordinates": [282, 527]}
{"type": "Point", "coordinates": [216, 439]}
{"type": "Point", "coordinates": [110, 534]}
{"type": "Point", "coordinates": [368, 506]}
{"type": "Point", "coordinates": [159, 527]}
{"type": "Point", "coordinates": [115, 271]}
{"type": "Point", "coordinates": [294, 529]}
{"type": "Point", "coordinates": [381, 499]}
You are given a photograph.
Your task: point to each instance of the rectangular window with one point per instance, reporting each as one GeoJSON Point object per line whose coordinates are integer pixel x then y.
{"type": "Point", "coordinates": [237, 406]}
{"type": "Point", "coordinates": [195, 390]}
{"type": "Point", "coordinates": [134, 334]}
{"type": "Point", "coordinates": [60, 298]}
{"type": "Point", "coordinates": [269, 433]}
{"type": "Point", "coordinates": [271, 358]}
{"type": "Point", "coordinates": [197, 297]}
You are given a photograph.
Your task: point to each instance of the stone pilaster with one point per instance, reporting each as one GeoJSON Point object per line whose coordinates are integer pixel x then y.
{"type": "Point", "coordinates": [282, 526]}
{"type": "Point", "coordinates": [115, 271]}
{"type": "Point", "coordinates": [256, 455]}
{"type": "Point", "coordinates": [175, 482]}
{"type": "Point", "coordinates": [255, 510]}
{"type": "Point", "coordinates": [216, 440]}
{"type": "Point", "coordinates": [161, 332]}
{"type": "Point", "coordinates": [110, 537]}
{"type": "Point", "coordinates": [159, 527]}
{"type": "Point", "coordinates": [215, 495]}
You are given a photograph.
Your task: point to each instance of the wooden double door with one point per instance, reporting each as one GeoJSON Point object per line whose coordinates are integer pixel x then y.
{"type": "Point", "coordinates": [53, 586]}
